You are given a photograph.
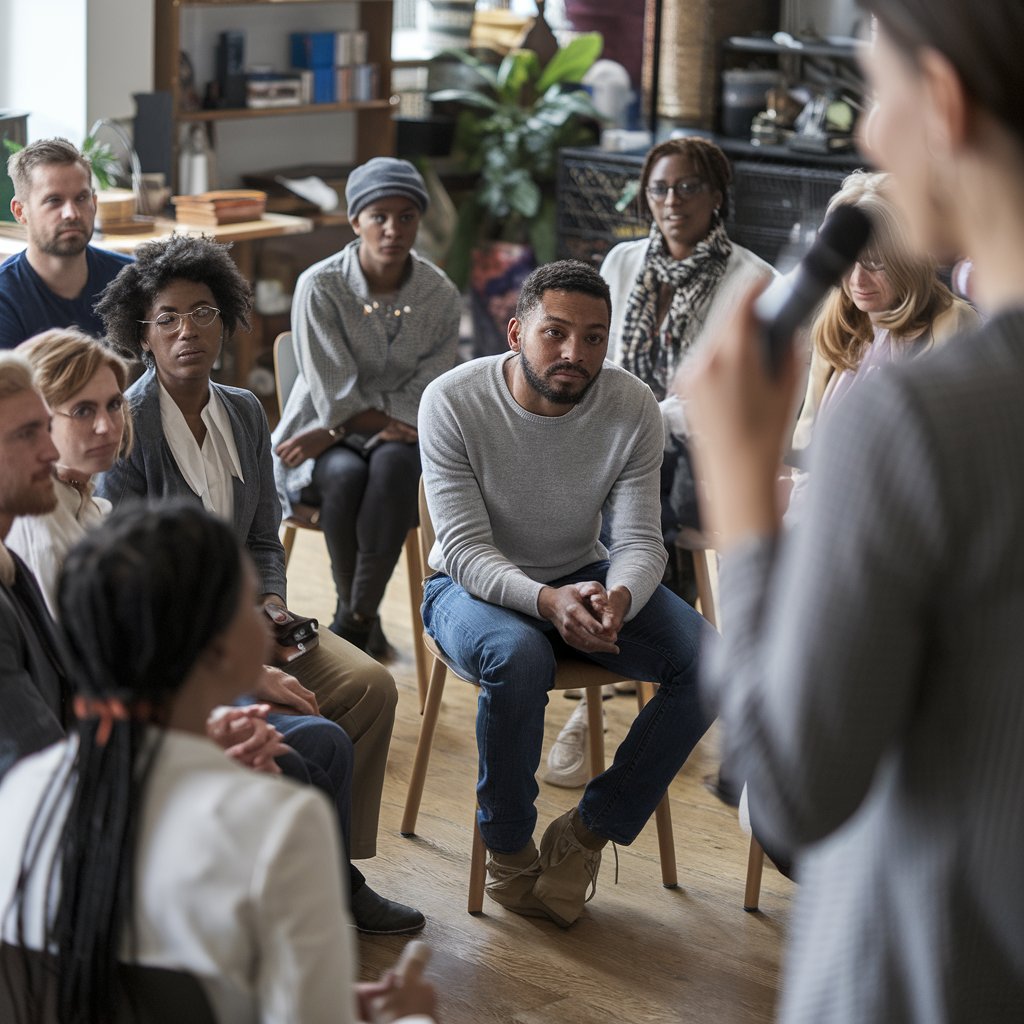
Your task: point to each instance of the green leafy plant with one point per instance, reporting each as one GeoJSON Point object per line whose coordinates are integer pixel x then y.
{"type": "Point", "coordinates": [510, 135]}
{"type": "Point", "coordinates": [105, 164]}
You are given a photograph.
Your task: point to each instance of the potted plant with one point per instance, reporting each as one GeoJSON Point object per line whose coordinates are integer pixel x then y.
{"type": "Point", "coordinates": [509, 135]}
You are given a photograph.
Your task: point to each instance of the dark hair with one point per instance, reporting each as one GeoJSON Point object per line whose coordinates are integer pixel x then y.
{"type": "Point", "coordinates": [141, 597]}
{"type": "Point", "coordinates": [981, 41]}
{"type": "Point", "coordinates": [562, 276]}
{"type": "Point", "coordinates": [711, 163]}
{"type": "Point", "coordinates": [129, 297]}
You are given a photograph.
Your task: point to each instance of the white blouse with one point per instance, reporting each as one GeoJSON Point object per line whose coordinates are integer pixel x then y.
{"type": "Point", "coordinates": [238, 882]}
{"type": "Point", "coordinates": [44, 541]}
{"type": "Point", "coordinates": [208, 469]}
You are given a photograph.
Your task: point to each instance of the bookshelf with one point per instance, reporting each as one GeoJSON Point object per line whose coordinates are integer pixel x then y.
{"type": "Point", "coordinates": [248, 139]}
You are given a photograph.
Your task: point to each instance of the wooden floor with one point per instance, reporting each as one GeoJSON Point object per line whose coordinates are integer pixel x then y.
{"type": "Point", "coordinates": [640, 953]}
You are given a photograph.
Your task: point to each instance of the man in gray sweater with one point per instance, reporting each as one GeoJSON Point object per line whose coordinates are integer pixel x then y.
{"type": "Point", "coordinates": [525, 455]}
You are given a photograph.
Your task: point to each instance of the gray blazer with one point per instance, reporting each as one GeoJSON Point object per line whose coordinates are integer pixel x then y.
{"type": "Point", "coordinates": [33, 679]}
{"type": "Point", "coordinates": [150, 471]}
{"type": "Point", "coordinates": [871, 685]}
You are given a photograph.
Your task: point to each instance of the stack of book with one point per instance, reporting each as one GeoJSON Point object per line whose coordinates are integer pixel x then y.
{"type": "Point", "coordinates": [226, 206]}
{"type": "Point", "coordinates": [334, 67]}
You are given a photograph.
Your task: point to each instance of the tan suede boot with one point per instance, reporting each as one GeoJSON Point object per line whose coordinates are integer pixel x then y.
{"type": "Point", "coordinates": [512, 879]}
{"type": "Point", "coordinates": [568, 869]}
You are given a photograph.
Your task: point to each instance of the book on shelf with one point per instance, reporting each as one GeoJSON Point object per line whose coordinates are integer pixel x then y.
{"type": "Point", "coordinates": [224, 206]}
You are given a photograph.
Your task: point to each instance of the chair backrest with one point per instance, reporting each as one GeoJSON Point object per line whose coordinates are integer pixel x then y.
{"type": "Point", "coordinates": [427, 535]}
{"type": "Point", "coordinates": [286, 367]}
{"type": "Point", "coordinates": [149, 995]}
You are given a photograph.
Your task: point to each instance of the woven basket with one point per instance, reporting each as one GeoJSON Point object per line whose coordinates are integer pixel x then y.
{"type": "Point", "coordinates": [692, 33]}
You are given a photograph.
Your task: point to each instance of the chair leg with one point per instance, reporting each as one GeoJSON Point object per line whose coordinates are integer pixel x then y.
{"type": "Point", "coordinates": [595, 730]}
{"type": "Point", "coordinates": [288, 542]}
{"type": "Point", "coordinates": [477, 869]}
{"type": "Point", "coordinates": [414, 567]}
{"type": "Point", "coordinates": [663, 812]}
{"type": "Point", "coordinates": [755, 866]}
{"type": "Point", "coordinates": [705, 595]}
{"type": "Point", "coordinates": [419, 766]}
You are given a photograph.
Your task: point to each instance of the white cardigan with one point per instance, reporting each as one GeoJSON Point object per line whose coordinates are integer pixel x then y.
{"type": "Point", "coordinates": [622, 267]}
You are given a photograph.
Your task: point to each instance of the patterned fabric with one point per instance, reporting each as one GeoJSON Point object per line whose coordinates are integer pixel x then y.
{"type": "Point", "coordinates": [652, 354]}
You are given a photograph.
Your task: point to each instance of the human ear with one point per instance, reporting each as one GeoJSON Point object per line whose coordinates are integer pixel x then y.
{"type": "Point", "coordinates": [947, 113]}
{"type": "Point", "coordinates": [17, 208]}
{"type": "Point", "coordinates": [514, 327]}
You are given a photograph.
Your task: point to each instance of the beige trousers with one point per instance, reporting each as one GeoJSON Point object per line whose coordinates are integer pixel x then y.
{"type": "Point", "coordinates": [360, 695]}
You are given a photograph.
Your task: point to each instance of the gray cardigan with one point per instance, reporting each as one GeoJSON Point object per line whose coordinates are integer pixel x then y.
{"type": "Point", "coordinates": [870, 684]}
{"type": "Point", "coordinates": [346, 361]}
{"type": "Point", "coordinates": [150, 471]}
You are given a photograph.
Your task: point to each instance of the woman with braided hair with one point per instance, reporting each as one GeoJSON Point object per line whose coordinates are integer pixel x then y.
{"type": "Point", "coordinates": [135, 839]}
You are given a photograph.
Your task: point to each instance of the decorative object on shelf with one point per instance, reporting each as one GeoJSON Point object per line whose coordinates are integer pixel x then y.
{"type": "Point", "coordinates": [451, 24]}
{"type": "Point", "coordinates": [692, 32]}
{"type": "Point", "coordinates": [509, 136]}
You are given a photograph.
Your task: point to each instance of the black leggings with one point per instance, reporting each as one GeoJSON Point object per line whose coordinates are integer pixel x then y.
{"type": "Point", "coordinates": [367, 506]}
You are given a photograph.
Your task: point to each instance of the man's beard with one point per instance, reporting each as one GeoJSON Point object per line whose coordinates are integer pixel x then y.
{"type": "Point", "coordinates": [31, 501]}
{"type": "Point", "coordinates": [561, 394]}
{"type": "Point", "coordinates": [64, 245]}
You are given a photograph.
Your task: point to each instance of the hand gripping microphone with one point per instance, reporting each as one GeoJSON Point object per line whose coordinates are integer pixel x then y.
{"type": "Point", "coordinates": [789, 300]}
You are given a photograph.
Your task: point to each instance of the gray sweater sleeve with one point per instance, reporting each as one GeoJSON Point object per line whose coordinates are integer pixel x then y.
{"type": "Point", "coordinates": [823, 647]}
{"type": "Point", "coordinates": [637, 552]}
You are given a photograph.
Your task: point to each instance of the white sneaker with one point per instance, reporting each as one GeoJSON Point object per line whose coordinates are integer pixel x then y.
{"type": "Point", "coordinates": [567, 760]}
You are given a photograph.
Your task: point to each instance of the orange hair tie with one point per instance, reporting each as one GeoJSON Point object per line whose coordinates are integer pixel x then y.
{"type": "Point", "coordinates": [107, 711]}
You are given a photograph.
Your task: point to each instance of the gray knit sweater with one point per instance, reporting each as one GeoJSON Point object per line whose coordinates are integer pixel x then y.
{"type": "Point", "coordinates": [351, 360]}
{"type": "Point", "coordinates": [516, 499]}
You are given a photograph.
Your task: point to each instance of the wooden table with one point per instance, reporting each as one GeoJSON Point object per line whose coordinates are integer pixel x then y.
{"type": "Point", "coordinates": [241, 235]}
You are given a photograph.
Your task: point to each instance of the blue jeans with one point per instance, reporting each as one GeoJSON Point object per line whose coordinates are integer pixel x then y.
{"type": "Point", "coordinates": [323, 757]}
{"type": "Point", "coordinates": [513, 658]}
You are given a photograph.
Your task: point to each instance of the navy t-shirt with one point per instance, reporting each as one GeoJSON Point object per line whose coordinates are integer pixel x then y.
{"type": "Point", "coordinates": [27, 306]}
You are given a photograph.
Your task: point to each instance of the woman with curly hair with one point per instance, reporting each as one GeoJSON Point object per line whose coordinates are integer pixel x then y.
{"type": "Point", "coordinates": [173, 308]}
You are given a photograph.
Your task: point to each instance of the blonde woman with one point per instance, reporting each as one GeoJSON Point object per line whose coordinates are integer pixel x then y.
{"type": "Point", "coordinates": [889, 308]}
{"type": "Point", "coordinates": [83, 383]}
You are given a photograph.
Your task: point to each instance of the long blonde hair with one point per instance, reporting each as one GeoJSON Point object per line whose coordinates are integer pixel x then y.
{"type": "Point", "coordinates": [65, 360]}
{"type": "Point", "coordinates": [841, 333]}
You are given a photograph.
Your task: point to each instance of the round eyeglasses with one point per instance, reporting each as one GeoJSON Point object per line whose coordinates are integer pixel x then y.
{"type": "Point", "coordinates": [682, 189]}
{"type": "Point", "coordinates": [170, 323]}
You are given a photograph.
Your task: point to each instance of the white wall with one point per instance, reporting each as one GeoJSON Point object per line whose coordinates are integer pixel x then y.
{"type": "Point", "coordinates": [68, 62]}
{"type": "Point", "coordinates": [42, 65]}
{"type": "Point", "coordinates": [119, 56]}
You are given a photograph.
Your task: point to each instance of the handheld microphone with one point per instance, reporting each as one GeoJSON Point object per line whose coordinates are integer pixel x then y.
{"type": "Point", "coordinates": [789, 300]}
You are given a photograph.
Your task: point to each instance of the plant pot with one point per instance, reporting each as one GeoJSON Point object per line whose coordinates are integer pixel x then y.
{"type": "Point", "coordinates": [496, 276]}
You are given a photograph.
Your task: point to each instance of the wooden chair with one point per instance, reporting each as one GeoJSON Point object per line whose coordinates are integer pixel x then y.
{"type": "Point", "coordinates": [286, 370]}
{"type": "Point", "coordinates": [149, 995]}
{"type": "Point", "coordinates": [698, 546]}
{"type": "Point", "coordinates": [572, 672]}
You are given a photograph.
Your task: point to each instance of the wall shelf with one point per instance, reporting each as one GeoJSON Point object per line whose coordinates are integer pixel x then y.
{"type": "Point", "coordinates": [245, 113]}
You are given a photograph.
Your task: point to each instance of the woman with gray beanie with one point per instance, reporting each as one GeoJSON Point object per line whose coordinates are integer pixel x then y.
{"type": "Point", "coordinates": [372, 325]}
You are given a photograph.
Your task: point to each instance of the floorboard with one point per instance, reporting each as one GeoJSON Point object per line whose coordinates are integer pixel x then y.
{"type": "Point", "coordinates": [640, 953]}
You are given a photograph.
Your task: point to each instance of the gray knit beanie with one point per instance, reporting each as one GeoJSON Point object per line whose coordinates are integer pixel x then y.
{"type": "Point", "coordinates": [381, 177]}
